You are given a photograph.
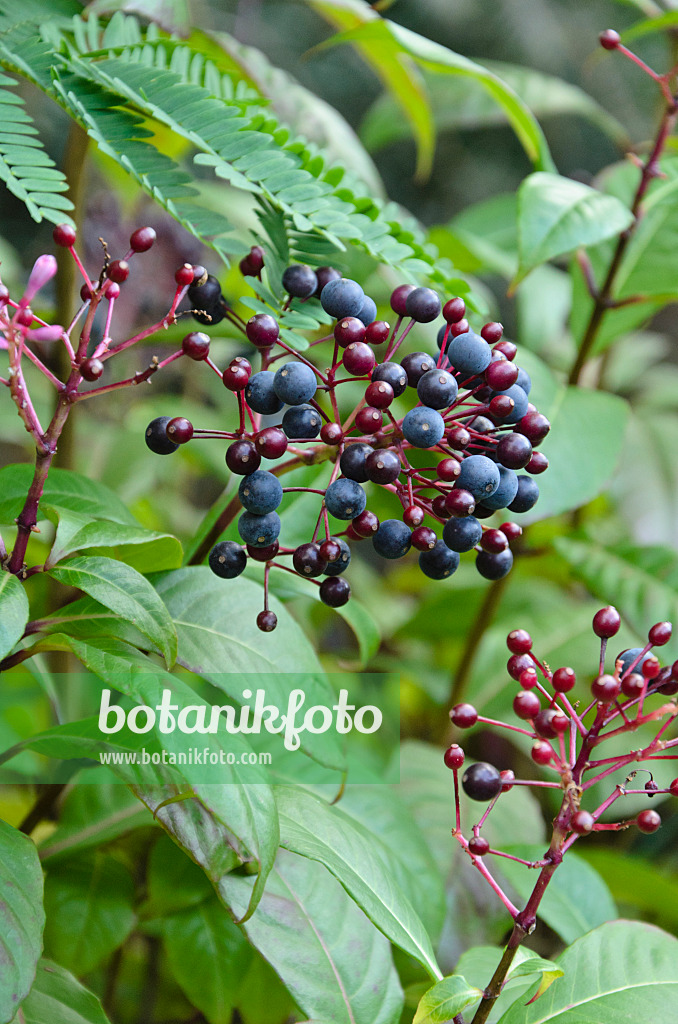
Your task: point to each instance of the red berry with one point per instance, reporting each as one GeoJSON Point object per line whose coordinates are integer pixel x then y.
{"type": "Point", "coordinates": [461, 327]}
{"type": "Point", "coordinates": [507, 348]}
{"type": "Point", "coordinates": [142, 239]}
{"type": "Point", "coordinates": [236, 378]}
{"type": "Point", "coordinates": [458, 438]}
{"type": "Point", "coordinates": [519, 641]}
{"type": "Point", "coordinates": [179, 430]}
{"type": "Point", "coordinates": [196, 345]}
{"type": "Point", "coordinates": [91, 369]}
{"type": "Point", "coordinates": [673, 787]}
{"type": "Point", "coordinates": [605, 688]}
{"type": "Point", "coordinates": [526, 704]}
{"type": "Point", "coordinates": [424, 538]}
{"type": "Point", "coordinates": [543, 723]}
{"type": "Point", "coordinates": [511, 530]}
{"type": "Point", "coordinates": [331, 433]}
{"type": "Point", "coordinates": [650, 667]}
{"type": "Point", "coordinates": [606, 622]}
{"type": "Point", "coordinates": [366, 524]}
{"type": "Point", "coordinates": [263, 554]}
{"type": "Point", "coordinates": [399, 298]}
{"type": "Point", "coordinates": [242, 457]}
{"type": "Point", "coordinates": [542, 752]}
{"type": "Point", "coordinates": [660, 634]}
{"type": "Point", "coordinates": [459, 502]}
{"type": "Point", "coordinates": [348, 330]}
{"type": "Point", "coordinates": [633, 685]}
{"type": "Point", "coordinates": [379, 394]}
{"type": "Point", "coordinates": [64, 235]}
{"type": "Point", "coordinates": [413, 516]}
{"type": "Point", "coordinates": [501, 406]}
{"type": "Point", "coordinates": [535, 427]}
{"type": "Point", "coordinates": [24, 317]}
{"type": "Point", "coordinates": [517, 663]}
{"type": "Point", "coordinates": [448, 469]}
{"type": "Point", "coordinates": [492, 332]}
{"type": "Point", "coordinates": [538, 464]}
{"type": "Point", "coordinates": [494, 541]}
{"type": "Point", "coordinates": [368, 419]}
{"type": "Point", "coordinates": [85, 293]}
{"type": "Point", "coordinates": [252, 264]}
{"type": "Point", "coordinates": [507, 779]}
{"type": "Point", "coordinates": [454, 310]}
{"type": "Point", "coordinates": [262, 330]}
{"type": "Point", "coordinates": [501, 375]}
{"type": "Point", "coordinates": [377, 332]}
{"type": "Point", "coordinates": [359, 359]}
{"type": "Point", "coordinates": [271, 442]}
{"type": "Point", "coordinates": [439, 506]}
{"type": "Point", "coordinates": [184, 275]}
{"type": "Point", "coordinates": [582, 823]}
{"type": "Point", "coordinates": [478, 846]}
{"type": "Point", "coordinates": [267, 621]}
{"type": "Point", "coordinates": [330, 550]}
{"type": "Point", "coordinates": [648, 821]}
{"type": "Point", "coordinates": [564, 679]}
{"type": "Point", "coordinates": [118, 271]}
{"type": "Point", "coordinates": [609, 39]}
{"type": "Point", "coordinates": [528, 679]}
{"type": "Point", "coordinates": [464, 716]}
{"type": "Point", "coordinates": [335, 591]}
{"type": "Point", "coordinates": [454, 756]}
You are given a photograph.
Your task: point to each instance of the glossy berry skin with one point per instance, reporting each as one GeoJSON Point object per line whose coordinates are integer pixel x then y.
{"type": "Point", "coordinates": [263, 554]}
{"type": "Point", "coordinates": [118, 271]}
{"type": "Point", "coordinates": [479, 475]}
{"type": "Point", "coordinates": [542, 752]}
{"type": "Point", "coordinates": [267, 621]}
{"type": "Point", "coordinates": [462, 534]}
{"type": "Point", "coordinates": [91, 369]}
{"type": "Point", "coordinates": [633, 685]}
{"type": "Point", "coordinates": [605, 688]}
{"type": "Point", "coordinates": [528, 679]}
{"type": "Point", "coordinates": [345, 499]}
{"type": "Point", "coordinates": [501, 374]}
{"type": "Point", "coordinates": [227, 560]}
{"type": "Point", "coordinates": [481, 781]}
{"type": "Point", "coordinates": [399, 298]}
{"type": "Point", "coordinates": [519, 641]}
{"type": "Point", "coordinates": [648, 821]}
{"type": "Point", "coordinates": [252, 264]}
{"type": "Point", "coordinates": [383, 466]}
{"type": "Point", "coordinates": [423, 305]}
{"type": "Point", "coordinates": [514, 451]}
{"type": "Point", "coordinates": [340, 564]}
{"type": "Point", "coordinates": [260, 393]}
{"type": "Point", "coordinates": [295, 383]}
{"type": "Point", "coordinates": [564, 679]}
{"type": "Point", "coordinates": [369, 420]}
{"type": "Point", "coordinates": [517, 664]}
{"type": "Point", "coordinates": [453, 756]}
{"type": "Point", "coordinates": [437, 389]}
{"type": "Point", "coordinates": [262, 330]}
{"type": "Point", "coordinates": [308, 561]}
{"type": "Point", "coordinates": [673, 787]}
{"type": "Point", "coordinates": [324, 275]}
{"type": "Point", "coordinates": [242, 457]}
{"type": "Point", "coordinates": [377, 332]}
{"type": "Point", "coordinates": [526, 704]}
{"type": "Point", "coordinates": [454, 310]}
{"type": "Point", "coordinates": [439, 508]}
{"type": "Point", "coordinates": [440, 562]}
{"type": "Point", "coordinates": [458, 438]}
{"type": "Point", "coordinates": [196, 345]}
{"type": "Point", "coordinates": [460, 503]}
{"type": "Point", "coordinates": [365, 525]}
{"type": "Point", "coordinates": [423, 427]}
{"type": "Point", "coordinates": [335, 591]}
{"type": "Point", "coordinates": [660, 634]}
{"type": "Point", "coordinates": [302, 422]}
{"type": "Point", "coordinates": [342, 297]}
{"type": "Point", "coordinates": [534, 425]}
{"type": "Point", "coordinates": [469, 354]}
{"type": "Point", "coordinates": [393, 539]}
{"type": "Point", "coordinates": [353, 461]}
{"type": "Point", "coordinates": [606, 622]}
{"type": "Point", "coordinates": [543, 723]}
{"type": "Point", "coordinates": [424, 538]}
{"type": "Point", "coordinates": [492, 332]}
{"type": "Point", "coordinates": [627, 659]}
{"type": "Point", "coordinates": [526, 495]}
{"type": "Point", "coordinates": [582, 823]}
{"type": "Point", "coordinates": [478, 846]}
{"type": "Point", "coordinates": [184, 275]}
{"type": "Point", "coordinates": [348, 330]}
{"type": "Point", "coordinates": [464, 716]}
{"type": "Point", "coordinates": [64, 235]}
{"type": "Point", "coordinates": [507, 780]}
{"type": "Point", "coordinates": [379, 394]}
{"type": "Point", "coordinates": [259, 531]}
{"type": "Point", "coordinates": [142, 239]}
{"type": "Point", "coordinates": [299, 281]}
{"type": "Point", "coordinates": [271, 442]}
{"type": "Point", "coordinates": [609, 39]}
{"type": "Point", "coordinates": [493, 541]}
{"type": "Point", "coordinates": [415, 365]}
{"type": "Point", "coordinates": [448, 470]}
{"type": "Point", "coordinates": [331, 433]}
{"type": "Point", "coordinates": [505, 493]}
{"type": "Point", "coordinates": [368, 313]}
{"type": "Point", "coordinates": [359, 359]}
{"type": "Point", "coordinates": [156, 437]}
{"type": "Point", "coordinates": [235, 378]}
{"type": "Point", "coordinates": [260, 492]}
{"type": "Point", "coordinates": [413, 516]}
{"type": "Point", "coordinates": [537, 464]}
{"type": "Point", "coordinates": [179, 430]}
{"type": "Point", "coordinates": [394, 374]}
{"type": "Point", "coordinates": [520, 403]}
{"type": "Point", "coordinates": [330, 550]}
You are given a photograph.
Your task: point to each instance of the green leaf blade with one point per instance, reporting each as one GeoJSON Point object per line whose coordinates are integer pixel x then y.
{"type": "Point", "coordinates": [14, 612]}
{"type": "Point", "coordinates": [22, 918]}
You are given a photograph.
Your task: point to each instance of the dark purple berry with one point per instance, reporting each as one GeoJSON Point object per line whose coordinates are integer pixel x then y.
{"type": "Point", "coordinates": [481, 781]}
{"type": "Point", "coordinates": [299, 281]}
{"type": "Point", "coordinates": [227, 560]}
{"type": "Point", "coordinates": [534, 425]}
{"type": "Point", "coordinates": [424, 538]}
{"type": "Point", "coordinates": [91, 369]}
{"type": "Point", "coordinates": [517, 664]}
{"type": "Point", "coordinates": [383, 466]}
{"type": "Point", "coordinates": [423, 305]}
{"type": "Point", "coordinates": [263, 554]}
{"type": "Point", "coordinates": [242, 457]}
{"type": "Point", "coordinates": [324, 275]}
{"type": "Point", "coordinates": [308, 561]}
{"type": "Point", "coordinates": [359, 358]}
{"type": "Point", "coordinates": [348, 330]}
{"type": "Point", "coordinates": [377, 332]}
{"type": "Point", "coordinates": [514, 451]}
{"type": "Point", "coordinates": [156, 437]}
{"type": "Point", "coordinates": [262, 330]}
{"type": "Point", "coordinates": [335, 591]}
{"type": "Point", "coordinates": [196, 345]}
{"type": "Point", "coordinates": [368, 420]}
{"type": "Point", "coordinates": [267, 621]}
{"type": "Point", "coordinates": [454, 756]}
{"type": "Point", "coordinates": [271, 442]}
{"type": "Point", "coordinates": [415, 365]}
{"type": "Point", "coordinates": [399, 298]}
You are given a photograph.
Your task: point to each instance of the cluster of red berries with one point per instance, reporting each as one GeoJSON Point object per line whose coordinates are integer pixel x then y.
{"type": "Point", "coordinates": [450, 459]}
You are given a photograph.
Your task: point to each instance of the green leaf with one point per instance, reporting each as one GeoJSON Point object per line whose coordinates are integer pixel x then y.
{"type": "Point", "coordinates": [479, 963]}
{"type": "Point", "coordinates": [64, 488]}
{"type": "Point", "coordinates": [14, 612]}
{"type": "Point", "coordinates": [312, 828]}
{"type": "Point", "coordinates": [648, 26]}
{"type": "Point", "coordinates": [622, 971]}
{"type": "Point", "coordinates": [93, 816]}
{"type": "Point", "coordinates": [143, 549]}
{"type": "Point", "coordinates": [651, 889]}
{"type": "Point", "coordinates": [445, 1000]}
{"type": "Point", "coordinates": [576, 899]}
{"type": "Point", "coordinates": [127, 593]}
{"type": "Point", "coordinates": [86, 618]}
{"type": "Point", "coordinates": [174, 882]}
{"type": "Point", "coordinates": [533, 964]}
{"type": "Point", "coordinates": [89, 906]}
{"type": "Point", "coordinates": [58, 998]}
{"type": "Point", "coordinates": [22, 918]}
{"type": "Point", "coordinates": [557, 215]}
{"type": "Point", "coordinates": [336, 965]}
{"type": "Point", "coordinates": [208, 956]}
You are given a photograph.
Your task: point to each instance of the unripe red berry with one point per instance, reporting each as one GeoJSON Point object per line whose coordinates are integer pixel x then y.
{"type": "Point", "coordinates": [118, 271]}
{"type": "Point", "coordinates": [439, 506]}
{"type": "Point", "coordinates": [501, 375]}
{"type": "Point", "coordinates": [519, 641]}
{"type": "Point", "coordinates": [564, 679]}
{"type": "Point", "coordinates": [464, 716]}
{"type": "Point", "coordinates": [507, 348]}
{"type": "Point", "coordinates": [460, 327]}
{"type": "Point", "coordinates": [359, 359]}
{"type": "Point", "coordinates": [458, 438]}
{"type": "Point", "coordinates": [543, 723]}
{"type": "Point", "coordinates": [331, 433]}
{"type": "Point", "coordinates": [650, 667]}
{"type": "Point", "coordinates": [91, 369]}
{"type": "Point", "coordinates": [459, 502]}
{"type": "Point", "coordinates": [528, 679]}
{"type": "Point", "coordinates": [64, 235]}
{"type": "Point", "coordinates": [142, 239]}
{"type": "Point", "coordinates": [424, 538]}
{"type": "Point", "coordinates": [448, 469]}
{"type": "Point", "coordinates": [648, 821]}
{"type": "Point", "coordinates": [184, 275]}
{"type": "Point", "coordinates": [379, 394]}
{"type": "Point", "coordinates": [606, 622]}
{"type": "Point", "coordinates": [542, 752]}
{"type": "Point", "coordinates": [454, 310]}
{"type": "Point", "coordinates": [236, 378]}
{"type": "Point", "coordinates": [507, 779]}
{"type": "Point", "coordinates": [366, 524]}
{"type": "Point", "coordinates": [582, 823]}
{"type": "Point", "coordinates": [605, 688]}
{"type": "Point", "coordinates": [633, 685]}
{"type": "Point", "coordinates": [478, 846]}
{"type": "Point", "coordinates": [526, 704]}
{"type": "Point", "coordinates": [538, 464]}
{"type": "Point", "coordinates": [179, 430]}
{"type": "Point", "coordinates": [660, 634]}
{"type": "Point", "coordinates": [330, 550]}
{"type": "Point", "coordinates": [399, 298]}
{"type": "Point", "coordinates": [271, 442]}
{"type": "Point", "coordinates": [517, 663]}
{"type": "Point", "coordinates": [196, 345]}
{"type": "Point", "coordinates": [348, 330]}
{"type": "Point", "coordinates": [369, 419]}
{"type": "Point", "coordinates": [609, 39]}
{"type": "Point", "coordinates": [377, 332]}
{"type": "Point", "coordinates": [454, 756]}
{"type": "Point", "coordinates": [511, 530]}
{"type": "Point", "coordinates": [413, 516]}
{"type": "Point", "coordinates": [494, 541]}
{"type": "Point", "coordinates": [492, 332]}
{"type": "Point", "coordinates": [673, 787]}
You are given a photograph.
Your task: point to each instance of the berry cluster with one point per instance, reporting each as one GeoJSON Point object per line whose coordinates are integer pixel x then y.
{"type": "Point", "coordinates": [566, 740]}
{"type": "Point", "coordinates": [445, 434]}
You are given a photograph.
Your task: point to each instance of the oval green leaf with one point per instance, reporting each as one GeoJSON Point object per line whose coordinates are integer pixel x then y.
{"type": "Point", "coordinates": [22, 918]}
{"type": "Point", "coordinates": [59, 998]}
{"type": "Point", "coordinates": [445, 1000]}
{"type": "Point", "coordinates": [14, 612]}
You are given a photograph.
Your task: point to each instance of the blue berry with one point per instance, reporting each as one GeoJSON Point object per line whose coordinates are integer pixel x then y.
{"type": "Point", "coordinates": [524, 380]}
{"type": "Point", "coordinates": [260, 394]}
{"type": "Point", "coordinates": [527, 495]}
{"type": "Point", "coordinates": [156, 437]}
{"type": "Point", "coordinates": [521, 403]}
{"type": "Point", "coordinates": [437, 389]}
{"type": "Point", "coordinates": [462, 534]}
{"type": "Point", "coordinates": [479, 475]}
{"type": "Point", "coordinates": [299, 280]}
{"type": "Point", "coordinates": [302, 422]}
{"type": "Point", "coordinates": [259, 531]}
{"type": "Point", "coordinates": [342, 297]}
{"type": "Point", "coordinates": [423, 305]}
{"type": "Point", "coordinates": [440, 562]}
{"type": "Point", "coordinates": [295, 383]}
{"type": "Point", "coordinates": [415, 365]}
{"type": "Point", "coordinates": [423, 427]}
{"type": "Point", "coordinates": [341, 564]}
{"type": "Point", "coordinates": [394, 374]}
{"type": "Point", "coordinates": [353, 459]}
{"type": "Point", "coordinates": [368, 313]}
{"type": "Point", "coordinates": [494, 565]}
{"type": "Point", "coordinates": [628, 657]}
{"type": "Point", "coordinates": [469, 353]}
{"type": "Point", "coordinates": [345, 499]}
{"type": "Point", "coordinates": [260, 492]}
{"type": "Point", "coordinates": [506, 492]}
{"type": "Point", "coordinates": [227, 560]}
{"type": "Point", "coordinates": [393, 539]}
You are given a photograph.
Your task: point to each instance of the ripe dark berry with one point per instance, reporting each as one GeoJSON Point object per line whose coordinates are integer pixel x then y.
{"type": "Point", "coordinates": [423, 427]}
{"type": "Point", "coordinates": [342, 297]}
{"type": "Point", "coordinates": [353, 461]}
{"type": "Point", "coordinates": [537, 464]}
{"type": "Point", "coordinates": [514, 451]}
{"type": "Point", "coordinates": [605, 688]}
{"type": "Point", "coordinates": [179, 430]}
{"type": "Point", "coordinates": [454, 310]}
{"type": "Point", "coordinates": [609, 39]}
{"type": "Point", "coordinates": [519, 641]}
{"type": "Point", "coordinates": [377, 332]}
{"type": "Point", "coordinates": [423, 305]}
{"type": "Point", "coordinates": [454, 756]}
{"type": "Point", "coordinates": [413, 516]}
{"type": "Point", "coordinates": [424, 538]}
{"type": "Point", "coordinates": [359, 359]}
{"type": "Point", "coordinates": [369, 419]}
{"type": "Point", "coordinates": [64, 235]}
{"type": "Point", "coordinates": [348, 330]}
{"type": "Point", "coordinates": [469, 353]}
{"type": "Point", "coordinates": [324, 275]}
{"type": "Point", "coordinates": [260, 394]}
{"type": "Point", "coordinates": [437, 389]}
{"type": "Point", "coordinates": [260, 531]}
{"type": "Point", "coordinates": [308, 561]}
{"type": "Point", "coordinates": [252, 264]}
{"type": "Point", "coordinates": [242, 457]}
{"type": "Point", "coordinates": [196, 345]}
{"type": "Point", "coordinates": [629, 658]}
{"type": "Point", "coordinates": [262, 330]}
{"type": "Point", "coordinates": [85, 293]}
{"type": "Point", "coordinates": [415, 365]}
{"type": "Point", "coordinates": [582, 823]}
{"type": "Point", "coordinates": [494, 541]}
{"type": "Point", "coordinates": [648, 821]}
{"type": "Point", "coordinates": [460, 503]}
{"type": "Point", "coordinates": [542, 752]}
{"type": "Point", "coordinates": [517, 664]}
{"type": "Point", "coordinates": [534, 425]}
{"type": "Point", "coordinates": [383, 466]}
{"type": "Point", "coordinates": [157, 439]}
{"type": "Point", "coordinates": [91, 369]}
{"type": "Point", "coordinates": [393, 539]}
{"type": "Point", "coordinates": [394, 374]}
{"type": "Point", "coordinates": [478, 846]}
{"type": "Point", "coordinates": [260, 492]}
{"type": "Point", "coordinates": [439, 508]}
{"type": "Point", "coordinates": [345, 499]}
{"type": "Point", "coordinates": [263, 554]}
{"type": "Point", "coordinates": [335, 591]}
{"type": "Point", "coordinates": [479, 475]}
{"type": "Point", "coordinates": [439, 562]}
{"type": "Point", "coordinates": [227, 560]}
{"type": "Point", "coordinates": [365, 525]}
{"type": "Point", "coordinates": [399, 298]}
{"type": "Point", "coordinates": [299, 280]}
{"type": "Point", "coordinates": [564, 679]}
{"type": "Point", "coordinates": [660, 634]}
{"type": "Point", "coordinates": [464, 716]}
{"type": "Point", "coordinates": [550, 722]}
{"type": "Point", "coordinates": [184, 275]}
{"type": "Point", "coordinates": [494, 565]}
{"type": "Point", "coordinates": [271, 442]}
{"type": "Point", "coordinates": [379, 394]}
{"type": "Point", "coordinates": [481, 781]}
{"type": "Point", "coordinates": [267, 621]}
{"type": "Point", "coordinates": [331, 433]}
{"type": "Point", "coordinates": [526, 497]}
{"type": "Point", "coordinates": [295, 383]}
{"type": "Point", "coordinates": [606, 622]}
{"type": "Point", "coordinates": [118, 271]}
{"type": "Point", "coordinates": [339, 564]}
{"type": "Point", "coordinates": [633, 685]}
{"type": "Point", "coordinates": [526, 704]}
{"type": "Point", "coordinates": [462, 534]}
{"type": "Point", "coordinates": [301, 422]}
{"type": "Point", "coordinates": [142, 239]}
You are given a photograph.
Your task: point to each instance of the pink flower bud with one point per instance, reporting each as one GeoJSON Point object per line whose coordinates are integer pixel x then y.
{"type": "Point", "coordinates": [44, 269]}
{"type": "Point", "coordinates": [52, 333]}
